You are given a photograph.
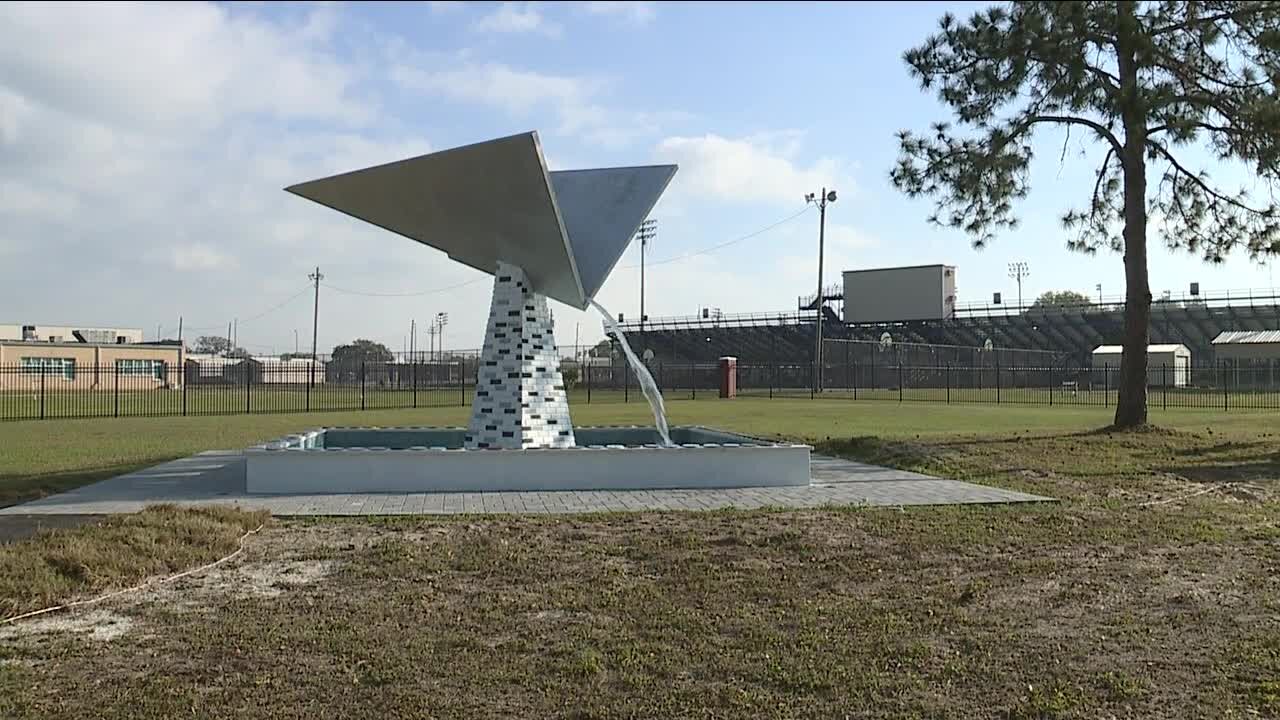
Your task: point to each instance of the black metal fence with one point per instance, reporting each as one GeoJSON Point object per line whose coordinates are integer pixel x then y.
{"type": "Point", "coordinates": [1226, 386]}
{"type": "Point", "coordinates": [29, 392]}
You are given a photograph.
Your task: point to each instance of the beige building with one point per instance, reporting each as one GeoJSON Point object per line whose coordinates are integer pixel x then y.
{"type": "Point", "coordinates": [1167, 365]}
{"type": "Point", "coordinates": [27, 365]}
{"type": "Point", "coordinates": [295, 371]}
{"type": "Point", "coordinates": [70, 334]}
{"type": "Point", "coordinates": [202, 369]}
{"type": "Point", "coordinates": [1260, 346]}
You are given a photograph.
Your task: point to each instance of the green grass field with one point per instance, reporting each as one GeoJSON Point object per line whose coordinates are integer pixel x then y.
{"type": "Point", "coordinates": [41, 457]}
{"type": "Point", "coordinates": [227, 400]}
{"type": "Point", "coordinates": [1149, 590]}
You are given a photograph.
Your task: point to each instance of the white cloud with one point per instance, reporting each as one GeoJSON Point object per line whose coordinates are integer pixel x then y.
{"type": "Point", "coordinates": [759, 168]}
{"type": "Point", "coordinates": [164, 133]}
{"type": "Point", "coordinates": [167, 65]}
{"type": "Point", "coordinates": [847, 237]}
{"type": "Point", "coordinates": [498, 85]}
{"type": "Point", "coordinates": [636, 13]}
{"type": "Point", "coordinates": [516, 18]}
{"type": "Point", "coordinates": [575, 101]}
{"type": "Point", "coordinates": [199, 256]}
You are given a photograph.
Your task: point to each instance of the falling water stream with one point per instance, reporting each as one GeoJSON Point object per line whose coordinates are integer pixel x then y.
{"type": "Point", "coordinates": [647, 385]}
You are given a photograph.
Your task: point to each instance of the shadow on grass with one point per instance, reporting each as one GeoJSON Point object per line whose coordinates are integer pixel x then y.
{"type": "Point", "coordinates": [889, 453]}
{"type": "Point", "coordinates": [16, 488]}
{"type": "Point", "coordinates": [1264, 470]}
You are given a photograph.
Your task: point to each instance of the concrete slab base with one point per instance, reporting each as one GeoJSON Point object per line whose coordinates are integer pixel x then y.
{"type": "Point", "coordinates": [347, 460]}
{"type": "Point", "coordinates": [218, 478]}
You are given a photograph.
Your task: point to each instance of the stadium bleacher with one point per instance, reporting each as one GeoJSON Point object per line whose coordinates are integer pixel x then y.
{"type": "Point", "coordinates": [1071, 332]}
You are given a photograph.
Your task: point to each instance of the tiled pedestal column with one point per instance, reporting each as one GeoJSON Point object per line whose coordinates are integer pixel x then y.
{"type": "Point", "coordinates": [520, 399]}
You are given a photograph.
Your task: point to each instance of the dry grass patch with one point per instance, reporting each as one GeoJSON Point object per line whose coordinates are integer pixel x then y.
{"type": "Point", "coordinates": [57, 566]}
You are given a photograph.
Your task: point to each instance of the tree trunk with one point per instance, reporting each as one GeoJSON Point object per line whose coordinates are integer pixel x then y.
{"type": "Point", "coordinates": [1131, 401]}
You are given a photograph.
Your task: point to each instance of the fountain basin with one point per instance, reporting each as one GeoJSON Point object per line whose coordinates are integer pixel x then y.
{"type": "Point", "coordinates": [425, 459]}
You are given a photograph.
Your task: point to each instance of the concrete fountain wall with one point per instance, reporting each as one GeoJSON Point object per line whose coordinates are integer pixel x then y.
{"type": "Point", "coordinates": [360, 460]}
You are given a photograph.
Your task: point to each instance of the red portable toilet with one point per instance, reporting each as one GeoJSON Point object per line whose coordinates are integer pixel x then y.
{"type": "Point", "coordinates": [728, 377]}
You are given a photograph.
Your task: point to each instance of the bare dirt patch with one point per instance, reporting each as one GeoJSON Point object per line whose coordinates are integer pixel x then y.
{"type": "Point", "coordinates": [1092, 607]}
{"type": "Point", "coordinates": [98, 625]}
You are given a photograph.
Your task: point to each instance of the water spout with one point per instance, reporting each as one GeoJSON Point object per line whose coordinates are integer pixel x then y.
{"type": "Point", "coordinates": [647, 385]}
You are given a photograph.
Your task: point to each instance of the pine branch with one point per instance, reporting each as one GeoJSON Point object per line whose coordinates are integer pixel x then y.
{"type": "Point", "coordinates": [1102, 130]}
{"type": "Point", "coordinates": [1192, 22]}
{"type": "Point", "coordinates": [1201, 183]}
{"type": "Point", "coordinates": [1102, 172]}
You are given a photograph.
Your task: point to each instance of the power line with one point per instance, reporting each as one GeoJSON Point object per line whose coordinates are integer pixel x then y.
{"type": "Point", "coordinates": [262, 314]}
{"type": "Point", "coordinates": [723, 245]}
{"type": "Point", "coordinates": [695, 253]}
{"type": "Point", "coordinates": [272, 309]}
{"type": "Point", "coordinates": [401, 294]}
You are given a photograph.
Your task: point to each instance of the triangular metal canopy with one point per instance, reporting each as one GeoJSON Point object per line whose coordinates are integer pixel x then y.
{"type": "Point", "coordinates": [495, 201]}
{"type": "Point", "coordinates": [602, 210]}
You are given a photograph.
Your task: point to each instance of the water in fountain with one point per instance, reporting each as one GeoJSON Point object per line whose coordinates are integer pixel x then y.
{"type": "Point", "coordinates": [647, 385]}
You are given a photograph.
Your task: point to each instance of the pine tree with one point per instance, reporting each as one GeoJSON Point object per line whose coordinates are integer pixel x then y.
{"type": "Point", "coordinates": [1148, 82]}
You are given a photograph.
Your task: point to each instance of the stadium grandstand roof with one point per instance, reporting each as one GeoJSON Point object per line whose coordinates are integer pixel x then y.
{"type": "Point", "coordinates": [1241, 337]}
{"type": "Point", "coordinates": [1117, 349]}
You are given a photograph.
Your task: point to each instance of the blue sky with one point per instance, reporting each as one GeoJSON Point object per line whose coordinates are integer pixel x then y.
{"type": "Point", "coordinates": [143, 150]}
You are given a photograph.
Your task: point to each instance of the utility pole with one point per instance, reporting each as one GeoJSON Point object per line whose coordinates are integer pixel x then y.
{"type": "Point", "coordinates": [1018, 270]}
{"type": "Point", "coordinates": [315, 277]}
{"type": "Point", "coordinates": [1099, 293]}
{"type": "Point", "coordinates": [295, 341]}
{"type": "Point", "coordinates": [442, 319]}
{"type": "Point", "coordinates": [648, 231]}
{"type": "Point", "coordinates": [227, 352]}
{"type": "Point", "coordinates": [821, 201]}
{"type": "Point", "coordinates": [413, 340]}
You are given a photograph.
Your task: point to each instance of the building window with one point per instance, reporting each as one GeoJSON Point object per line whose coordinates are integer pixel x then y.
{"type": "Point", "coordinates": [141, 368]}
{"type": "Point", "coordinates": [66, 367]}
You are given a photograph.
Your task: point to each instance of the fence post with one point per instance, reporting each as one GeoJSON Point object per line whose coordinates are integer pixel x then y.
{"type": "Point", "coordinates": [846, 366]}
{"type": "Point", "coordinates": [948, 383]}
{"type": "Point", "coordinates": [183, 375]}
{"type": "Point", "coordinates": [462, 378]}
{"type": "Point", "coordinates": [626, 382]}
{"type": "Point", "coordinates": [772, 370]}
{"type": "Point", "coordinates": [586, 370]}
{"type": "Point", "coordinates": [1164, 386]}
{"type": "Point", "coordinates": [1223, 368]}
{"type": "Point", "coordinates": [899, 381]}
{"type": "Point", "coordinates": [116, 394]}
{"type": "Point", "coordinates": [361, 384]}
{"type": "Point", "coordinates": [248, 377]}
{"type": "Point", "coordinates": [855, 381]}
{"type": "Point", "coordinates": [43, 370]}
{"type": "Point", "coordinates": [693, 383]}
{"type": "Point", "coordinates": [997, 380]}
{"type": "Point", "coordinates": [1051, 385]}
{"type": "Point", "coordinates": [811, 382]}
{"type": "Point", "coordinates": [1106, 386]}
{"type": "Point", "coordinates": [414, 374]}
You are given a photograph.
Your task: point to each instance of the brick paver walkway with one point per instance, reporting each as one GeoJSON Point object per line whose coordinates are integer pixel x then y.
{"type": "Point", "coordinates": [217, 477]}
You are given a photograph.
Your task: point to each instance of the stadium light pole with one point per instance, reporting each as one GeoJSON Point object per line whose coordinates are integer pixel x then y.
{"type": "Point", "coordinates": [822, 200]}
{"type": "Point", "coordinates": [1017, 271]}
{"type": "Point", "coordinates": [315, 277]}
{"type": "Point", "coordinates": [442, 319]}
{"type": "Point", "coordinates": [648, 231]}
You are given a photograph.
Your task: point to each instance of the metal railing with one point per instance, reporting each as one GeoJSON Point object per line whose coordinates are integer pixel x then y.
{"type": "Point", "coordinates": [113, 391]}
